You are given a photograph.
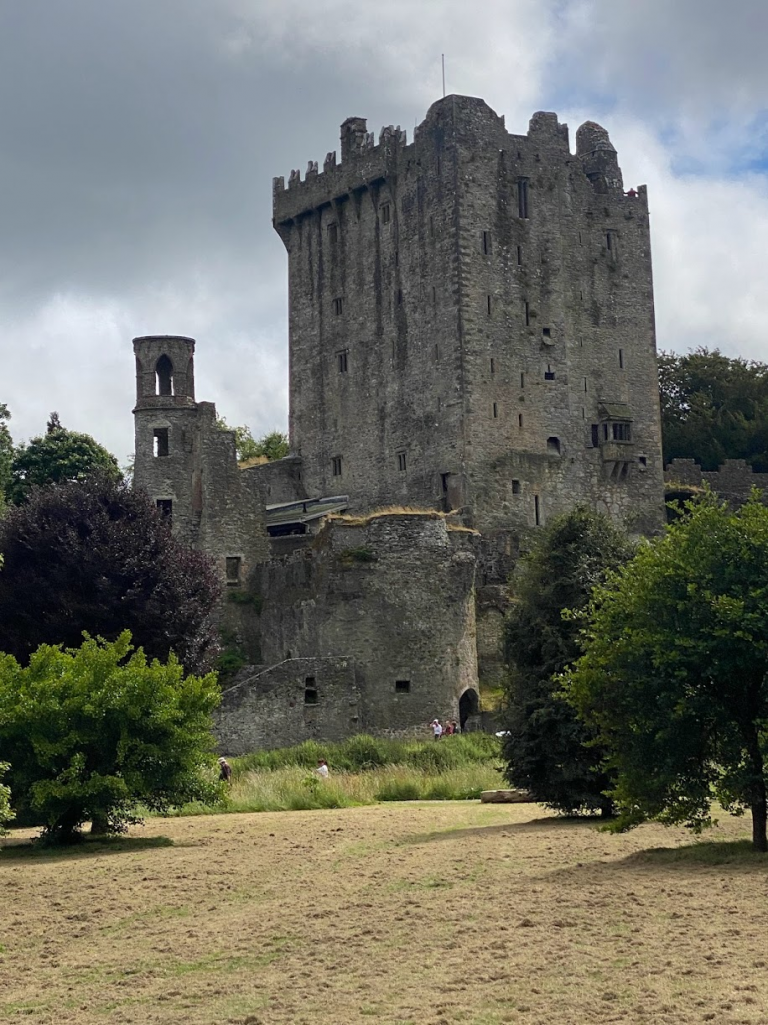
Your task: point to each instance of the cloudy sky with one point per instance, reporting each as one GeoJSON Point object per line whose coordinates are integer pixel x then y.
{"type": "Point", "coordinates": [139, 138]}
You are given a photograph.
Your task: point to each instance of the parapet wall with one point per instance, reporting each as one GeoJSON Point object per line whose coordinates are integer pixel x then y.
{"type": "Point", "coordinates": [733, 481]}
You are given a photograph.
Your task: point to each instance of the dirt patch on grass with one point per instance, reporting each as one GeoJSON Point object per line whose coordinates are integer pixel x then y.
{"type": "Point", "coordinates": [428, 913]}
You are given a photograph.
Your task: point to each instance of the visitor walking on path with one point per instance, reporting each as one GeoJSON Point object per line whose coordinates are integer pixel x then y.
{"type": "Point", "coordinates": [225, 771]}
{"type": "Point", "coordinates": [437, 729]}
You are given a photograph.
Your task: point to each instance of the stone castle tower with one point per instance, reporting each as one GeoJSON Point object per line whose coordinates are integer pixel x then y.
{"type": "Point", "coordinates": [472, 322]}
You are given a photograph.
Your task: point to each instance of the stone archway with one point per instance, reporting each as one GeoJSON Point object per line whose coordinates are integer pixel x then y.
{"type": "Point", "coordinates": [469, 705]}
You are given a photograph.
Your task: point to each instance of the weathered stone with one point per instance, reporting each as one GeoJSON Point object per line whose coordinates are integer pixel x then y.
{"type": "Point", "coordinates": [505, 797]}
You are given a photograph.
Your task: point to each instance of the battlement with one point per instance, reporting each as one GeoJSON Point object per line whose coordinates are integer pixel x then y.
{"type": "Point", "coordinates": [733, 481]}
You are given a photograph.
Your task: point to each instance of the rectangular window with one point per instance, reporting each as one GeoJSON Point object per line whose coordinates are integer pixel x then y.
{"type": "Point", "coordinates": [546, 332]}
{"type": "Point", "coordinates": [549, 374]}
{"type": "Point", "coordinates": [621, 359]}
{"type": "Point", "coordinates": [527, 314]}
{"type": "Point", "coordinates": [522, 380]}
{"type": "Point", "coordinates": [522, 197]}
{"type": "Point", "coordinates": [310, 691]}
{"type": "Point", "coordinates": [233, 565]}
{"type": "Point", "coordinates": [386, 213]}
{"type": "Point", "coordinates": [595, 435]}
{"type": "Point", "coordinates": [399, 297]}
{"type": "Point", "coordinates": [493, 366]}
{"type": "Point", "coordinates": [495, 411]}
{"type": "Point", "coordinates": [519, 419]}
{"type": "Point", "coordinates": [608, 241]}
{"type": "Point", "coordinates": [488, 304]}
{"type": "Point", "coordinates": [536, 510]}
{"type": "Point", "coordinates": [333, 233]}
{"type": "Point", "coordinates": [585, 384]}
{"type": "Point", "coordinates": [338, 306]}
{"type": "Point", "coordinates": [402, 686]}
{"type": "Point", "coordinates": [160, 436]}
{"type": "Point", "coordinates": [486, 242]}
{"type": "Point", "coordinates": [336, 466]}
{"type": "Point", "coordinates": [515, 487]}
{"type": "Point", "coordinates": [342, 361]}
{"type": "Point", "coordinates": [621, 432]}
{"type": "Point", "coordinates": [519, 256]}
{"type": "Point", "coordinates": [401, 460]}
{"type": "Point", "coordinates": [605, 432]}
{"type": "Point", "coordinates": [165, 508]}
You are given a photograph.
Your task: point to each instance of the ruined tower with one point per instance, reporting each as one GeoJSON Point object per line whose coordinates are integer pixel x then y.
{"type": "Point", "coordinates": [188, 464]}
{"type": "Point", "coordinates": [472, 323]}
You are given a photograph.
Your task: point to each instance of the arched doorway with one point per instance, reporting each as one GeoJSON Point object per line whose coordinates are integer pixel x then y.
{"type": "Point", "coordinates": [469, 705]}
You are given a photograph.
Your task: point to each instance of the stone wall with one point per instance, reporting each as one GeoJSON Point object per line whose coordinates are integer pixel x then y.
{"type": "Point", "coordinates": [391, 599]}
{"type": "Point", "coordinates": [468, 314]}
{"type": "Point", "coordinates": [733, 481]}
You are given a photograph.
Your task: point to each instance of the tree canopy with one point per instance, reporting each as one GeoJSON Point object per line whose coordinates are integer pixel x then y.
{"type": "Point", "coordinates": [94, 731]}
{"type": "Point", "coordinates": [546, 744]}
{"type": "Point", "coordinates": [273, 445]}
{"type": "Point", "coordinates": [98, 556]}
{"type": "Point", "coordinates": [57, 457]}
{"type": "Point", "coordinates": [714, 407]}
{"type": "Point", "coordinates": [6, 453]}
{"type": "Point", "coordinates": [674, 673]}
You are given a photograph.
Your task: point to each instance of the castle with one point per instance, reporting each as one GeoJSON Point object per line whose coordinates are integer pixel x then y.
{"type": "Point", "coordinates": [471, 335]}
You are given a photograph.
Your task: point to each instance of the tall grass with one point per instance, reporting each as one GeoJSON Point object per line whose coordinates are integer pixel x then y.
{"type": "Point", "coordinates": [363, 770]}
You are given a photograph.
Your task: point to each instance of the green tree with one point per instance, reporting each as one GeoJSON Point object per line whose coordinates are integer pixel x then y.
{"type": "Point", "coordinates": [6, 812]}
{"type": "Point", "coordinates": [273, 445]}
{"type": "Point", "coordinates": [95, 731]}
{"type": "Point", "coordinates": [714, 407]}
{"type": "Point", "coordinates": [546, 746]}
{"type": "Point", "coordinates": [58, 457]}
{"type": "Point", "coordinates": [673, 675]}
{"type": "Point", "coordinates": [97, 556]}
{"type": "Point", "coordinates": [6, 453]}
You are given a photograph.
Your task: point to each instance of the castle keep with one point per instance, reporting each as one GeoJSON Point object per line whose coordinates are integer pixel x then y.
{"type": "Point", "coordinates": [471, 332]}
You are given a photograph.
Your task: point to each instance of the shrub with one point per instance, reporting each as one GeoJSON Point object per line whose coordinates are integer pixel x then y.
{"type": "Point", "coordinates": [6, 812]}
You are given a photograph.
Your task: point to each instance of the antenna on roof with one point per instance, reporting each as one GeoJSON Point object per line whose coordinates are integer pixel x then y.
{"type": "Point", "coordinates": [443, 57]}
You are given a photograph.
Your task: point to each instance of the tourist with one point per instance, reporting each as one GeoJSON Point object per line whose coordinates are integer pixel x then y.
{"type": "Point", "coordinates": [225, 771]}
{"type": "Point", "coordinates": [449, 729]}
{"type": "Point", "coordinates": [322, 768]}
{"type": "Point", "coordinates": [437, 729]}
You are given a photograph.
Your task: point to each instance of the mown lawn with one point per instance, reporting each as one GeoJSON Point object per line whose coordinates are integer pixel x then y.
{"type": "Point", "coordinates": [434, 913]}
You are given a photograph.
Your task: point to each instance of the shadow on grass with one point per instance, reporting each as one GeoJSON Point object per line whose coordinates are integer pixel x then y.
{"type": "Point", "coordinates": [510, 828]}
{"type": "Point", "coordinates": [738, 854]}
{"type": "Point", "coordinates": [18, 850]}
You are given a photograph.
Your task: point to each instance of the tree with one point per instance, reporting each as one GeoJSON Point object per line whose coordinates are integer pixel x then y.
{"type": "Point", "coordinates": [6, 812]}
{"type": "Point", "coordinates": [6, 453]}
{"type": "Point", "coordinates": [57, 457]}
{"type": "Point", "coordinates": [97, 556]}
{"type": "Point", "coordinates": [546, 745]}
{"type": "Point", "coordinates": [273, 445]}
{"type": "Point", "coordinates": [94, 731]}
{"type": "Point", "coordinates": [714, 407]}
{"type": "Point", "coordinates": [673, 676]}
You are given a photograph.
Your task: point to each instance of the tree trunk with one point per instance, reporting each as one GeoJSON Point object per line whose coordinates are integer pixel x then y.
{"type": "Point", "coordinates": [100, 825]}
{"type": "Point", "coordinates": [757, 791]}
{"type": "Point", "coordinates": [759, 837]}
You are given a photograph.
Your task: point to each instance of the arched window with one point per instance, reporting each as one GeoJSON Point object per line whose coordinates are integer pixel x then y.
{"type": "Point", "coordinates": [553, 446]}
{"type": "Point", "coordinates": [164, 376]}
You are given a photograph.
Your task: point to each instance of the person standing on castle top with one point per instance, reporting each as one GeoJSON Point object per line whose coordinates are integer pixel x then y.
{"type": "Point", "coordinates": [322, 768]}
{"type": "Point", "coordinates": [225, 771]}
{"type": "Point", "coordinates": [437, 729]}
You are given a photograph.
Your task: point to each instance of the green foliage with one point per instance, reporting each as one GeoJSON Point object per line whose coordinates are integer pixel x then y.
{"type": "Point", "coordinates": [273, 445]}
{"type": "Point", "coordinates": [93, 731]}
{"type": "Point", "coordinates": [673, 676]}
{"type": "Point", "coordinates": [243, 597]}
{"type": "Point", "coordinates": [6, 453]}
{"type": "Point", "coordinates": [547, 747]}
{"type": "Point", "coordinates": [59, 456]}
{"type": "Point", "coordinates": [6, 812]}
{"type": "Point", "coordinates": [364, 752]}
{"type": "Point", "coordinates": [713, 408]}
{"type": "Point", "coordinates": [353, 555]}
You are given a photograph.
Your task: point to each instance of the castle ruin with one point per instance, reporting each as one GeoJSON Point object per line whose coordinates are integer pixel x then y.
{"type": "Point", "coordinates": [471, 334]}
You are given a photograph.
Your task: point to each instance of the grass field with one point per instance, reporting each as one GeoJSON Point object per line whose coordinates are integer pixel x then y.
{"type": "Point", "coordinates": [428, 913]}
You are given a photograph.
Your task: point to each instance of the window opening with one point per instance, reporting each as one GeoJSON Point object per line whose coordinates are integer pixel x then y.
{"type": "Point", "coordinates": [495, 411]}
{"type": "Point", "coordinates": [547, 332]}
{"type": "Point", "coordinates": [399, 297]}
{"type": "Point", "coordinates": [527, 314]}
{"type": "Point", "coordinates": [401, 460]}
{"type": "Point", "coordinates": [549, 374]}
{"type": "Point", "coordinates": [342, 359]}
{"type": "Point", "coordinates": [585, 384]}
{"type": "Point", "coordinates": [621, 359]}
{"type": "Point", "coordinates": [386, 213]}
{"type": "Point", "coordinates": [522, 197]}
{"type": "Point", "coordinates": [553, 445]}
{"type": "Point", "coordinates": [486, 242]}
{"type": "Point", "coordinates": [536, 510]}
{"type": "Point", "coordinates": [515, 487]}
{"type": "Point", "coordinates": [522, 380]}
{"type": "Point", "coordinates": [160, 439]}
{"type": "Point", "coordinates": [595, 435]}
{"type": "Point", "coordinates": [233, 565]}
{"type": "Point", "coordinates": [643, 460]}
{"type": "Point", "coordinates": [338, 306]}
{"type": "Point", "coordinates": [310, 691]}
{"type": "Point", "coordinates": [164, 376]}
{"type": "Point", "coordinates": [402, 686]}
{"type": "Point", "coordinates": [519, 255]}
{"type": "Point", "coordinates": [165, 508]}
{"type": "Point", "coordinates": [621, 432]}
{"type": "Point", "coordinates": [333, 233]}
{"type": "Point", "coordinates": [336, 466]}
{"type": "Point", "coordinates": [519, 419]}
{"type": "Point", "coordinates": [493, 366]}
{"type": "Point", "coordinates": [605, 432]}
{"type": "Point", "coordinates": [488, 302]}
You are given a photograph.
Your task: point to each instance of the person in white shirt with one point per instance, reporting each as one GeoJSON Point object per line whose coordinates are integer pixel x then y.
{"type": "Point", "coordinates": [322, 768]}
{"type": "Point", "coordinates": [437, 729]}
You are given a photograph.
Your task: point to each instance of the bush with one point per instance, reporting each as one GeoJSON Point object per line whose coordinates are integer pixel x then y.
{"type": "Point", "coordinates": [6, 812]}
{"type": "Point", "coordinates": [92, 732]}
